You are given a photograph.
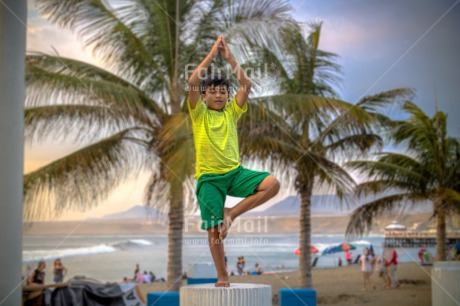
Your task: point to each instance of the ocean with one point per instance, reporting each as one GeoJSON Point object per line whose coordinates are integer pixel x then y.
{"type": "Point", "coordinates": [110, 258]}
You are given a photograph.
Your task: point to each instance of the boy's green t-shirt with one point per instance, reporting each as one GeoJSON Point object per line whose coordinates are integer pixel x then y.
{"type": "Point", "coordinates": [216, 138]}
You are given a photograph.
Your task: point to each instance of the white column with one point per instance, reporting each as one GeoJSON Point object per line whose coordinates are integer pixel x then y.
{"type": "Point", "coordinates": [445, 283]}
{"type": "Point", "coordinates": [13, 15]}
{"type": "Point", "coordinates": [235, 295]}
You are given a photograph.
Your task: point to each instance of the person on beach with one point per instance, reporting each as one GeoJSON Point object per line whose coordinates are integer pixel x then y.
{"type": "Point", "coordinates": [383, 272]}
{"type": "Point", "coordinates": [146, 277]}
{"type": "Point", "coordinates": [139, 278]}
{"type": "Point", "coordinates": [59, 271]}
{"type": "Point", "coordinates": [153, 277]}
{"type": "Point", "coordinates": [136, 271]}
{"type": "Point", "coordinates": [427, 258]}
{"type": "Point", "coordinates": [366, 268]}
{"type": "Point", "coordinates": [240, 266]}
{"type": "Point", "coordinates": [38, 276]}
{"type": "Point", "coordinates": [348, 257]}
{"type": "Point", "coordinates": [219, 172]}
{"type": "Point", "coordinates": [257, 269]}
{"type": "Point", "coordinates": [390, 259]}
{"type": "Point", "coordinates": [420, 253]}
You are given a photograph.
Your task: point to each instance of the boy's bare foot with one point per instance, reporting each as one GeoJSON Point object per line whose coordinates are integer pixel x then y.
{"type": "Point", "coordinates": [227, 222]}
{"type": "Point", "coordinates": [222, 283]}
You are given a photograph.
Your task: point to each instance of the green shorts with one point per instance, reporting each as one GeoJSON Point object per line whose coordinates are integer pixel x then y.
{"type": "Point", "coordinates": [212, 189]}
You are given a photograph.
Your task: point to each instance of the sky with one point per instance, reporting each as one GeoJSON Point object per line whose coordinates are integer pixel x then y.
{"type": "Point", "coordinates": [394, 43]}
{"type": "Point", "coordinates": [381, 45]}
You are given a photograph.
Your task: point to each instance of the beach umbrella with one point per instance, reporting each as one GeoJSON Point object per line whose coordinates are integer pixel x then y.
{"type": "Point", "coordinates": [343, 247]}
{"type": "Point", "coordinates": [313, 250]}
{"type": "Point", "coordinates": [347, 247]}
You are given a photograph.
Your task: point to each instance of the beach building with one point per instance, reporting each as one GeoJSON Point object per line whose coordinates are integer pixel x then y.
{"type": "Point", "coordinates": [397, 235]}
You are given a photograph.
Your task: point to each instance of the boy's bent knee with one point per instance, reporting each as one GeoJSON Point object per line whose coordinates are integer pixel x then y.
{"type": "Point", "coordinates": [271, 184]}
{"type": "Point", "coordinates": [276, 185]}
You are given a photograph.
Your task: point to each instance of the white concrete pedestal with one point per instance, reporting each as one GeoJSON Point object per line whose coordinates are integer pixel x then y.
{"type": "Point", "coordinates": [235, 295]}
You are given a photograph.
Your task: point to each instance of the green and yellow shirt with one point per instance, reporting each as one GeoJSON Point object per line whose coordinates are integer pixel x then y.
{"type": "Point", "coordinates": [216, 138]}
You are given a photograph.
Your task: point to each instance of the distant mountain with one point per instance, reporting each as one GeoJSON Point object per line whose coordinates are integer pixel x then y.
{"type": "Point", "coordinates": [322, 205]}
{"type": "Point", "coordinates": [326, 205]}
{"type": "Point", "coordinates": [135, 212]}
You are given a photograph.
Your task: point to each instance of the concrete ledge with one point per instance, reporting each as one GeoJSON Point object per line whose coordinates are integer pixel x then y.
{"type": "Point", "coordinates": [235, 295]}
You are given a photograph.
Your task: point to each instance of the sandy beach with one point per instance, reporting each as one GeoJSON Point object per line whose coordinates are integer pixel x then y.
{"type": "Point", "coordinates": [342, 286]}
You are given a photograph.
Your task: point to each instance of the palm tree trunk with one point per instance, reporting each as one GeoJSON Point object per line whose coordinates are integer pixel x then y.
{"type": "Point", "coordinates": [305, 280]}
{"type": "Point", "coordinates": [440, 232]}
{"type": "Point", "coordinates": [176, 90]}
{"type": "Point", "coordinates": [175, 228]}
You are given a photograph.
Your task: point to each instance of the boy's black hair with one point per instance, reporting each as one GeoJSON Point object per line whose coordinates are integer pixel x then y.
{"type": "Point", "coordinates": [215, 80]}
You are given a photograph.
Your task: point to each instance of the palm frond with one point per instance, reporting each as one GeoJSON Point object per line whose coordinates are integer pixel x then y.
{"type": "Point", "coordinates": [450, 197]}
{"type": "Point", "coordinates": [253, 23]}
{"type": "Point", "coordinates": [419, 130]}
{"type": "Point", "coordinates": [380, 101]}
{"type": "Point", "coordinates": [377, 187]}
{"type": "Point", "coordinates": [157, 191]}
{"type": "Point", "coordinates": [81, 123]}
{"type": "Point", "coordinates": [110, 31]}
{"type": "Point", "coordinates": [399, 159]}
{"type": "Point", "coordinates": [354, 145]}
{"type": "Point", "coordinates": [330, 173]}
{"type": "Point", "coordinates": [299, 109]}
{"type": "Point", "coordinates": [82, 179]}
{"type": "Point", "coordinates": [177, 151]}
{"type": "Point", "coordinates": [248, 26]}
{"type": "Point", "coordinates": [262, 133]}
{"type": "Point", "coordinates": [362, 218]}
{"type": "Point", "coordinates": [362, 118]}
{"type": "Point", "coordinates": [50, 87]}
{"type": "Point", "coordinates": [388, 172]}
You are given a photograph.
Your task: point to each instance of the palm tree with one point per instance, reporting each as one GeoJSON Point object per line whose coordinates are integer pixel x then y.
{"type": "Point", "coordinates": [428, 171]}
{"type": "Point", "coordinates": [305, 126]}
{"type": "Point", "coordinates": [129, 116]}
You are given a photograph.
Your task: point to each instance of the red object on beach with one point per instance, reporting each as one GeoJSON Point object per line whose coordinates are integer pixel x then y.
{"type": "Point", "coordinates": [313, 250]}
{"type": "Point", "coordinates": [343, 247]}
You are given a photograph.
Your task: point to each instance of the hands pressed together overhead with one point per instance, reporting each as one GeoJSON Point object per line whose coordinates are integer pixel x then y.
{"type": "Point", "coordinates": [220, 46]}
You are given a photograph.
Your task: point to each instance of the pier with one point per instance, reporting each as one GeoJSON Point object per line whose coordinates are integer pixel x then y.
{"type": "Point", "coordinates": [413, 238]}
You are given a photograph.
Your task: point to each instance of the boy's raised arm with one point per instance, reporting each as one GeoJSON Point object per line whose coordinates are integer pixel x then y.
{"type": "Point", "coordinates": [243, 80]}
{"type": "Point", "coordinates": [194, 81]}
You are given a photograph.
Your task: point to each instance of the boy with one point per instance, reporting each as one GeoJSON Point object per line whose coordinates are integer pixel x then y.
{"type": "Point", "coordinates": [218, 170]}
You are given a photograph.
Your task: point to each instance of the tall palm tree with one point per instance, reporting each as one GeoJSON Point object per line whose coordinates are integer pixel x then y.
{"type": "Point", "coordinates": [130, 116]}
{"type": "Point", "coordinates": [306, 127]}
{"type": "Point", "coordinates": [428, 171]}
